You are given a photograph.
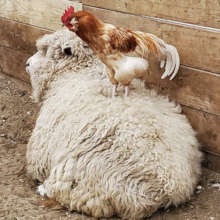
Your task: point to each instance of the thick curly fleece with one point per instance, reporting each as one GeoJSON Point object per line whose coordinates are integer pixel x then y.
{"type": "Point", "coordinates": [103, 156]}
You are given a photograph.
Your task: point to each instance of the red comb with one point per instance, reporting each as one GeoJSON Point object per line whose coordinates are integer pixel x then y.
{"type": "Point", "coordinates": [66, 16]}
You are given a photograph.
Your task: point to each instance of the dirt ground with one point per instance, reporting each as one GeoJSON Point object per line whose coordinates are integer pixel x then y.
{"type": "Point", "coordinates": [18, 197]}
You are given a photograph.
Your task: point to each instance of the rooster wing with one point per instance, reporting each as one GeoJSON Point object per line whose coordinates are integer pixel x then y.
{"type": "Point", "coordinates": [122, 42]}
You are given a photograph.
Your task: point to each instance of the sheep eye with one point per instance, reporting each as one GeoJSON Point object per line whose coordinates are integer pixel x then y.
{"type": "Point", "coordinates": [67, 51]}
{"type": "Point", "coordinates": [85, 46]}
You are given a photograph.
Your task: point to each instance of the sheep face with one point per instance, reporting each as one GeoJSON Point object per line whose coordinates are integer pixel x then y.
{"type": "Point", "coordinates": [57, 53]}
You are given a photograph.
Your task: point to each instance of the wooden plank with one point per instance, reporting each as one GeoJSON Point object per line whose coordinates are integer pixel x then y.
{"type": "Point", "coordinates": [17, 44]}
{"type": "Point", "coordinates": [212, 161]}
{"type": "Point", "coordinates": [207, 127]}
{"type": "Point", "coordinates": [189, 87]}
{"type": "Point", "coordinates": [13, 63]}
{"type": "Point", "coordinates": [198, 48]}
{"type": "Point", "coordinates": [41, 13]}
{"type": "Point", "coordinates": [203, 12]}
{"type": "Point", "coordinates": [19, 36]}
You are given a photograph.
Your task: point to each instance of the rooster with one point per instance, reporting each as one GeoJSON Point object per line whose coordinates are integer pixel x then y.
{"type": "Point", "coordinates": [124, 52]}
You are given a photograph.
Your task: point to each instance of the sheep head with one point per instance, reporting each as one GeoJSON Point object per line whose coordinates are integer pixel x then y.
{"type": "Point", "coordinates": [57, 53]}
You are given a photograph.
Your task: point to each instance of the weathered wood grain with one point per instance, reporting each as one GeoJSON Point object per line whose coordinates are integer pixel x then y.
{"type": "Point", "coordinates": [212, 161]}
{"type": "Point", "coordinates": [191, 87]}
{"type": "Point", "coordinates": [12, 62]}
{"type": "Point", "coordinates": [202, 12]}
{"type": "Point", "coordinates": [19, 36]}
{"type": "Point", "coordinates": [207, 127]}
{"type": "Point", "coordinates": [41, 13]}
{"type": "Point", "coordinates": [198, 48]}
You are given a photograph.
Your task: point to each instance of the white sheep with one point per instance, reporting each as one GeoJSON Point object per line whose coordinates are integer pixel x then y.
{"type": "Point", "coordinates": [103, 156]}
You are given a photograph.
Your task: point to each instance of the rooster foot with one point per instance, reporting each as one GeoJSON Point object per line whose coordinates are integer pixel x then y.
{"type": "Point", "coordinates": [126, 91]}
{"type": "Point", "coordinates": [114, 90]}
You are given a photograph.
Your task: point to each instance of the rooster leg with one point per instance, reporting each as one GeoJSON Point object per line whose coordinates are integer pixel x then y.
{"type": "Point", "coordinates": [111, 75]}
{"type": "Point", "coordinates": [126, 91]}
{"type": "Point", "coordinates": [114, 90]}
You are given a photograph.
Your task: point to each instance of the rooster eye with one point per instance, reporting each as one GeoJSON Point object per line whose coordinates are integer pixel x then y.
{"type": "Point", "coordinates": [68, 51]}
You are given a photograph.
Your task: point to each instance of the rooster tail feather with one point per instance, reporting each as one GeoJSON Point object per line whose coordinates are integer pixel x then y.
{"type": "Point", "coordinates": [166, 53]}
{"type": "Point", "coordinates": [170, 59]}
{"type": "Point", "coordinates": [172, 62]}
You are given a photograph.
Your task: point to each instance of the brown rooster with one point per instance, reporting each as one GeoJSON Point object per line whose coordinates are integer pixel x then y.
{"type": "Point", "coordinates": [124, 52]}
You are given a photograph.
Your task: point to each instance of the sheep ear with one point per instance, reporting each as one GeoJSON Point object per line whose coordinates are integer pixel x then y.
{"type": "Point", "coordinates": [44, 50]}
{"type": "Point", "coordinates": [43, 43]}
{"type": "Point", "coordinates": [42, 47]}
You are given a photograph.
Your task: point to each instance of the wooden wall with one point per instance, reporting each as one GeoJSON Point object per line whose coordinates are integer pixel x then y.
{"type": "Point", "coordinates": [192, 26]}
